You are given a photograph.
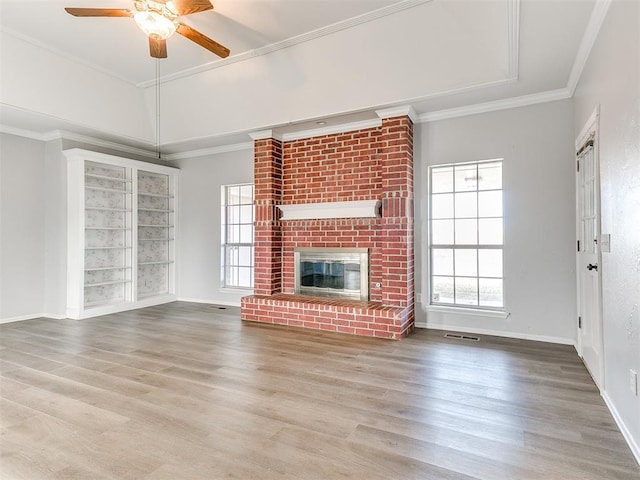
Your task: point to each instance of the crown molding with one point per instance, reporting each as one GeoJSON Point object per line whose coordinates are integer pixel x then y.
{"type": "Point", "coordinates": [401, 111]}
{"type": "Point", "coordinates": [21, 132]}
{"type": "Point", "coordinates": [332, 129]}
{"type": "Point", "coordinates": [76, 137]}
{"type": "Point", "coordinates": [203, 152]}
{"type": "Point", "coordinates": [96, 142]}
{"type": "Point", "coordinates": [262, 134]}
{"type": "Point", "coordinates": [515, 102]}
{"type": "Point", "coordinates": [598, 15]}
{"type": "Point", "coordinates": [292, 41]}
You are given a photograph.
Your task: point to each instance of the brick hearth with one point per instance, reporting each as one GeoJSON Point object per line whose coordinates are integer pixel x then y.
{"type": "Point", "coordinates": [369, 164]}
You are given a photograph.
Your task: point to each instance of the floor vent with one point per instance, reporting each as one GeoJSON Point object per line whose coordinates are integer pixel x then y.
{"type": "Point", "coordinates": [459, 336]}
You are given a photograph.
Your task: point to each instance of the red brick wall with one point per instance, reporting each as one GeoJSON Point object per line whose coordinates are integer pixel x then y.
{"type": "Point", "coordinates": [375, 163]}
{"type": "Point", "coordinates": [268, 234]}
{"type": "Point", "coordinates": [332, 168]}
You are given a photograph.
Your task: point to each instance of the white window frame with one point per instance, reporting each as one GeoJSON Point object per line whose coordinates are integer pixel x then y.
{"type": "Point", "coordinates": [233, 281]}
{"type": "Point", "coordinates": [481, 310]}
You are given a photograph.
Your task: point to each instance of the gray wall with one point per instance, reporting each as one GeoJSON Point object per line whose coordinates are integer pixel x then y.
{"type": "Point", "coordinates": [538, 179]}
{"type": "Point", "coordinates": [611, 80]}
{"type": "Point", "coordinates": [22, 227]}
{"type": "Point", "coordinates": [198, 256]}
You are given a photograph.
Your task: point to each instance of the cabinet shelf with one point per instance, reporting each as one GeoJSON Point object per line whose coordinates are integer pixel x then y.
{"type": "Point", "coordinates": [157, 195]}
{"type": "Point", "coordinates": [107, 209]}
{"type": "Point", "coordinates": [106, 248]}
{"type": "Point", "coordinates": [146, 225]}
{"type": "Point", "coordinates": [100, 284]}
{"type": "Point", "coordinates": [161, 210]}
{"type": "Point", "coordinates": [155, 239]}
{"type": "Point", "coordinates": [107, 177]}
{"type": "Point", "coordinates": [163, 262]}
{"type": "Point", "coordinates": [106, 189]}
{"type": "Point", "coordinates": [97, 269]}
{"type": "Point", "coordinates": [107, 228]}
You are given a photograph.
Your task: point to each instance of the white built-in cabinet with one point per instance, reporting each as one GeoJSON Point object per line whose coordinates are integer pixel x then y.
{"type": "Point", "coordinates": [121, 233]}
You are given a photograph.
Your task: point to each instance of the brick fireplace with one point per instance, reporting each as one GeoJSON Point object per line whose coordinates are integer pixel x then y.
{"type": "Point", "coordinates": [369, 164]}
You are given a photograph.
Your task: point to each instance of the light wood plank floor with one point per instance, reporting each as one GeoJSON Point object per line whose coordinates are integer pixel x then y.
{"type": "Point", "coordinates": [186, 391]}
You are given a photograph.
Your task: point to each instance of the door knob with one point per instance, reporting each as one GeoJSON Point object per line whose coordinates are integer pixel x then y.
{"type": "Point", "coordinates": [592, 267]}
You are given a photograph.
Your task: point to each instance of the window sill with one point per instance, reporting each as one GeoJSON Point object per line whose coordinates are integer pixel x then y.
{"type": "Point", "coordinates": [474, 312]}
{"type": "Point", "coordinates": [240, 290]}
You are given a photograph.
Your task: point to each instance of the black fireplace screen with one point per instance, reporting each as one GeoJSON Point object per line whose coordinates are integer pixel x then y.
{"type": "Point", "coordinates": [327, 274]}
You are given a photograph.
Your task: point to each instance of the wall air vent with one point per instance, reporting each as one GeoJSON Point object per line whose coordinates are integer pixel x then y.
{"type": "Point", "coordinates": [459, 336]}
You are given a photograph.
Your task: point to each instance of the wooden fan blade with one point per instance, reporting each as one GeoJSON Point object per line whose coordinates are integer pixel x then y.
{"type": "Point", "coordinates": [157, 47]}
{"type": "Point", "coordinates": [187, 7]}
{"type": "Point", "coordinates": [202, 40]}
{"type": "Point", "coordinates": [98, 12]}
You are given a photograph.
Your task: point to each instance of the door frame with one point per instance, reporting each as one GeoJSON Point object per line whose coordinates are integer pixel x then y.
{"type": "Point", "coordinates": [590, 129]}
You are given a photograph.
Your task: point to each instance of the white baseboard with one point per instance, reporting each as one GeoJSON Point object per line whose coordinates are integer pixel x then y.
{"type": "Point", "coordinates": [107, 309]}
{"type": "Point", "coordinates": [209, 301]}
{"type": "Point", "coordinates": [498, 333]}
{"type": "Point", "coordinates": [52, 316]}
{"type": "Point", "coordinates": [633, 444]}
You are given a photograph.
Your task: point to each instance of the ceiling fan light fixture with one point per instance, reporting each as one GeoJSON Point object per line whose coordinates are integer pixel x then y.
{"type": "Point", "coordinates": [154, 24]}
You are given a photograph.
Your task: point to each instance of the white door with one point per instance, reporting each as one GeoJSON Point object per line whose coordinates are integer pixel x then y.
{"type": "Point", "coordinates": [589, 269]}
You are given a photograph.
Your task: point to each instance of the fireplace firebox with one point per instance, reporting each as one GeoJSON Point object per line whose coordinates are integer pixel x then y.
{"type": "Point", "coordinates": [332, 272]}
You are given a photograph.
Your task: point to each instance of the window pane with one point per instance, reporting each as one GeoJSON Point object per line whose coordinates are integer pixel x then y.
{"type": "Point", "coordinates": [245, 256]}
{"type": "Point", "coordinates": [442, 206]}
{"type": "Point", "coordinates": [491, 292]}
{"type": "Point", "coordinates": [246, 194]}
{"type": "Point", "coordinates": [442, 261]}
{"type": "Point", "coordinates": [233, 233]}
{"type": "Point", "coordinates": [442, 290]}
{"type": "Point", "coordinates": [466, 232]}
{"type": "Point", "coordinates": [490, 263]}
{"type": "Point", "coordinates": [246, 214]}
{"type": "Point", "coordinates": [466, 178]}
{"type": "Point", "coordinates": [233, 214]}
{"type": "Point", "coordinates": [466, 291]}
{"type": "Point", "coordinates": [490, 176]}
{"type": "Point", "coordinates": [490, 231]}
{"type": "Point", "coordinates": [467, 269]}
{"type": "Point", "coordinates": [490, 204]}
{"type": "Point", "coordinates": [442, 180]}
{"type": "Point", "coordinates": [466, 262]}
{"type": "Point", "coordinates": [232, 255]}
{"type": "Point", "coordinates": [244, 277]}
{"type": "Point", "coordinates": [442, 232]}
{"type": "Point", "coordinates": [246, 233]}
{"type": "Point", "coordinates": [232, 276]}
{"type": "Point", "coordinates": [233, 195]}
{"type": "Point", "coordinates": [237, 227]}
{"type": "Point", "coordinates": [466, 205]}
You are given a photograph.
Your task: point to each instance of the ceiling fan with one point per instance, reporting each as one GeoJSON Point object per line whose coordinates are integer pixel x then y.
{"type": "Point", "coordinates": [159, 20]}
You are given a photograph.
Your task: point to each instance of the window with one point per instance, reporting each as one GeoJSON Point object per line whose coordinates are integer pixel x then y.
{"type": "Point", "coordinates": [466, 235]}
{"type": "Point", "coordinates": [237, 236]}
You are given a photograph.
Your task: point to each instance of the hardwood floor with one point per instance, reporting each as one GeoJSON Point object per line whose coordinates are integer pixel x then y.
{"type": "Point", "coordinates": [188, 391]}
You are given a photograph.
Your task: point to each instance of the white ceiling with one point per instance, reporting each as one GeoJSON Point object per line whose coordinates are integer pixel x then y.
{"type": "Point", "coordinates": [292, 62]}
{"type": "Point", "coordinates": [117, 46]}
